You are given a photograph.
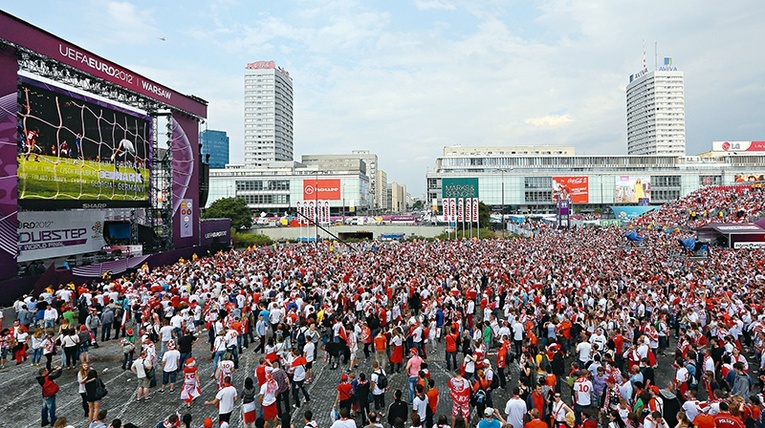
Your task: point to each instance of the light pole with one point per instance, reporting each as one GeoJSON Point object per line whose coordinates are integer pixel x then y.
{"type": "Point", "coordinates": [502, 185]}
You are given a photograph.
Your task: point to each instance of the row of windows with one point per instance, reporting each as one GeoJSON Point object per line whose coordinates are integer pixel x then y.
{"type": "Point", "coordinates": [245, 185]}
{"type": "Point", "coordinates": [266, 199]}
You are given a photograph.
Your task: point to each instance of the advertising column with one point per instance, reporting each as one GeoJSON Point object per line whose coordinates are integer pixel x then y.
{"type": "Point", "coordinates": [8, 165]}
{"type": "Point", "coordinates": [185, 180]}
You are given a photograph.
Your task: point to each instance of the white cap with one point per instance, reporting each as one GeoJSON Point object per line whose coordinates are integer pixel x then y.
{"type": "Point", "coordinates": [488, 412]}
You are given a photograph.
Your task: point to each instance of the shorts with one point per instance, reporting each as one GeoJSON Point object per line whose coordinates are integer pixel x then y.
{"type": "Point", "coordinates": [309, 365]}
{"type": "Point", "coordinates": [144, 382]}
{"type": "Point", "coordinates": [224, 417]}
{"type": "Point", "coordinates": [269, 412]}
{"type": "Point", "coordinates": [461, 409]}
{"type": "Point", "coordinates": [168, 376]}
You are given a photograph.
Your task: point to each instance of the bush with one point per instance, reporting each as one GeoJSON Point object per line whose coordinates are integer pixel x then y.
{"type": "Point", "coordinates": [245, 239]}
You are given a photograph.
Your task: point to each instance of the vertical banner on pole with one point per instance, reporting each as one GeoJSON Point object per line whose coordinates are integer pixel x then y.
{"type": "Point", "coordinates": [453, 210]}
{"type": "Point", "coordinates": [326, 212]}
{"type": "Point", "coordinates": [299, 210]}
{"type": "Point", "coordinates": [475, 210]}
{"type": "Point", "coordinates": [468, 210]}
{"type": "Point", "coordinates": [460, 210]}
{"type": "Point", "coordinates": [447, 211]}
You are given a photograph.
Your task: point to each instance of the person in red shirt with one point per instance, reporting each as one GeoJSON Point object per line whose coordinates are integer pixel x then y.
{"type": "Point", "coordinates": [459, 392]}
{"type": "Point", "coordinates": [535, 422]}
{"type": "Point", "coordinates": [502, 361]}
{"type": "Point", "coordinates": [381, 343]}
{"type": "Point", "coordinates": [432, 400]}
{"type": "Point", "coordinates": [344, 394]}
{"type": "Point", "coordinates": [725, 420]}
{"type": "Point", "coordinates": [366, 338]}
{"type": "Point", "coordinates": [451, 349]}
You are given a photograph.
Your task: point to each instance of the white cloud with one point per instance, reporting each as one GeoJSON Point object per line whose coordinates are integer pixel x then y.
{"type": "Point", "coordinates": [549, 121]}
{"type": "Point", "coordinates": [434, 4]}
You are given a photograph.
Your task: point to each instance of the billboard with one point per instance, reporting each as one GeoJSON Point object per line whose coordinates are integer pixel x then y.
{"type": "Point", "coordinates": [748, 177]}
{"type": "Point", "coordinates": [314, 189]}
{"type": "Point", "coordinates": [75, 151]}
{"type": "Point", "coordinates": [459, 187]}
{"type": "Point", "coordinates": [631, 189]}
{"type": "Point", "coordinates": [23, 34]}
{"type": "Point", "coordinates": [43, 236]}
{"type": "Point", "coordinates": [575, 189]}
{"type": "Point", "coordinates": [8, 163]}
{"type": "Point", "coordinates": [631, 212]}
{"type": "Point", "coordinates": [738, 146]}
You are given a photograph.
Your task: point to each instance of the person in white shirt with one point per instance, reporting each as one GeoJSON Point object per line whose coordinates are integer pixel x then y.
{"type": "Point", "coordinates": [170, 363]}
{"type": "Point", "coordinates": [584, 349]}
{"type": "Point", "coordinates": [515, 409]}
{"type": "Point", "coordinates": [582, 395]}
{"type": "Point", "coordinates": [225, 399]}
{"type": "Point", "coordinates": [344, 421]}
{"type": "Point", "coordinates": [420, 402]}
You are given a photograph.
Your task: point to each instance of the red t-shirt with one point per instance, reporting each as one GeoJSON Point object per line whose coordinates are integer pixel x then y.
{"type": "Point", "coordinates": [726, 420]}
{"type": "Point", "coordinates": [451, 343]}
{"type": "Point", "coordinates": [345, 390]}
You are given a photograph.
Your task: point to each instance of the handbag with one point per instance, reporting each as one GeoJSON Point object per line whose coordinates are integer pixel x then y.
{"type": "Point", "coordinates": [101, 391]}
{"type": "Point", "coordinates": [151, 374]}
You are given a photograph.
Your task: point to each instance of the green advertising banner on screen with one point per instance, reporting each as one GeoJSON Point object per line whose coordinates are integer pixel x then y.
{"type": "Point", "coordinates": [459, 188]}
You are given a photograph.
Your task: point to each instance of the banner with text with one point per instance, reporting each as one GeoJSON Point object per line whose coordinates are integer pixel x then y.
{"type": "Point", "coordinates": [459, 187]}
{"type": "Point", "coordinates": [575, 189]}
{"type": "Point", "coordinates": [324, 188]}
{"type": "Point", "coordinates": [43, 236]}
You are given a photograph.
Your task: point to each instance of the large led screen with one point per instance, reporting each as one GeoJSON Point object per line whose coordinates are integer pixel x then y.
{"type": "Point", "coordinates": [74, 151]}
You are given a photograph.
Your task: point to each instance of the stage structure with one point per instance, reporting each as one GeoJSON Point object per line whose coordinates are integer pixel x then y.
{"type": "Point", "coordinates": [95, 160]}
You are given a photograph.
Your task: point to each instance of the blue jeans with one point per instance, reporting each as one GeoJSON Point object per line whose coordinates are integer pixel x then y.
{"type": "Point", "coordinates": [216, 359]}
{"type": "Point", "coordinates": [451, 360]}
{"type": "Point", "coordinates": [48, 411]}
{"type": "Point", "coordinates": [412, 383]}
{"type": "Point", "coordinates": [36, 355]}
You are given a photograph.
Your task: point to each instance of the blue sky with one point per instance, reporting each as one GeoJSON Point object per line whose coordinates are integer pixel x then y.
{"type": "Point", "coordinates": [406, 78]}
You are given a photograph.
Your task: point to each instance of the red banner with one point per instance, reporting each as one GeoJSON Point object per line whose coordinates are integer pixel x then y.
{"type": "Point", "coordinates": [328, 189]}
{"type": "Point", "coordinates": [575, 189]}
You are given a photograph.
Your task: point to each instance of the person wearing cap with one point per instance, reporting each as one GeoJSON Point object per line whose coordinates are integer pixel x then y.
{"type": "Point", "coordinates": [491, 419]}
{"type": "Point", "coordinates": [171, 362]}
{"type": "Point", "coordinates": [128, 349]}
{"type": "Point", "coordinates": [413, 370]}
{"type": "Point", "coordinates": [344, 397]}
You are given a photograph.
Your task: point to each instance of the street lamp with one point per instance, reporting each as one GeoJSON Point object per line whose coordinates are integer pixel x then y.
{"type": "Point", "coordinates": [502, 214]}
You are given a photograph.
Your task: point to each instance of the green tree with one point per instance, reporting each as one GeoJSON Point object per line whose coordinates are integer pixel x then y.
{"type": "Point", "coordinates": [417, 205]}
{"type": "Point", "coordinates": [233, 208]}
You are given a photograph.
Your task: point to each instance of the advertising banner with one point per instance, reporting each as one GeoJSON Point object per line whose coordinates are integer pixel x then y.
{"type": "Point", "coordinates": [187, 216]}
{"type": "Point", "coordinates": [185, 146]}
{"type": "Point", "coordinates": [630, 212]}
{"type": "Point", "coordinates": [321, 189]}
{"type": "Point", "coordinates": [453, 210]}
{"type": "Point", "coordinates": [42, 235]}
{"type": "Point", "coordinates": [748, 177]}
{"type": "Point", "coordinates": [216, 231]}
{"type": "Point", "coordinates": [9, 146]}
{"type": "Point", "coordinates": [460, 210]}
{"type": "Point", "coordinates": [447, 211]}
{"type": "Point", "coordinates": [563, 213]}
{"type": "Point", "coordinates": [631, 189]}
{"type": "Point", "coordinates": [738, 146]}
{"type": "Point", "coordinates": [469, 210]}
{"type": "Point", "coordinates": [459, 187]}
{"type": "Point", "coordinates": [17, 31]}
{"type": "Point", "coordinates": [575, 189]}
{"type": "Point", "coordinates": [324, 212]}
{"type": "Point", "coordinates": [78, 151]}
{"type": "Point", "coordinates": [475, 209]}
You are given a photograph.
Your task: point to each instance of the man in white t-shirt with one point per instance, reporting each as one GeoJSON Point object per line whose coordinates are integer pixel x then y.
{"type": "Point", "coordinates": [165, 335]}
{"type": "Point", "coordinates": [170, 363]}
{"type": "Point", "coordinates": [582, 394]}
{"type": "Point", "coordinates": [584, 349]}
{"type": "Point", "coordinates": [225, 399]}
{"type": "Point", "coordinates": [378, 394]}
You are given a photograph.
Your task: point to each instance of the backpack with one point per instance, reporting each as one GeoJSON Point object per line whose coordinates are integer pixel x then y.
{"type": "Point", "coordinates": [49, 388]}
{"type": "Point", "coordinates": [494, 381]}
{"type": "Point", "coordinates": [741, 386]}
{"type": "Point", "coordinates": [479, 397]}
{"type": "Point", "coordinates": [382, 380]}
{"type": "Point", "coordinates": [301, 336]}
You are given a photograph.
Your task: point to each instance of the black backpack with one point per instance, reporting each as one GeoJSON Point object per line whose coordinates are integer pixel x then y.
{"type": "Point", "coordinates": [382, 380]}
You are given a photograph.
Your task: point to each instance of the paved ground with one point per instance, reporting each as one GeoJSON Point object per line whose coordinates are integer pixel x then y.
{"type": "Point", "coordinates": [21, 395]}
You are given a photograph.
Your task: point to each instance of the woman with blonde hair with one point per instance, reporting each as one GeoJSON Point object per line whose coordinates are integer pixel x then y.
{"type": "Point", "coordinates": [36, 341]}
{"type": "Point", "coordinates": [88, 378]}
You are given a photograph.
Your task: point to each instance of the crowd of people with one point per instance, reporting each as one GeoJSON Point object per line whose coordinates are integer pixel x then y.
{"type": "Point", "coordinates": [574, 325]}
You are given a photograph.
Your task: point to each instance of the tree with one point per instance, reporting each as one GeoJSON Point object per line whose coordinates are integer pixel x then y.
{"type": "Point", "coordinates": [233, 208]}
{"type": "Point", "coordinates": [417, 205]}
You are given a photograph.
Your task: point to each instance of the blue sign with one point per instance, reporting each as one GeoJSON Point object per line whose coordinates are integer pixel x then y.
{"type": "Point", "coordinates": [626, 213]}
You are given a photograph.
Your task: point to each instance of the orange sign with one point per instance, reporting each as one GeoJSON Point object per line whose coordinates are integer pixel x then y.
{"type": "Point", "coordinates": [575, 189]}
{"type": "Point", "coordinates": [327, 189]}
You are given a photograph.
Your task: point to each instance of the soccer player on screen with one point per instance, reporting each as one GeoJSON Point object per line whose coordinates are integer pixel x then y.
{"type": "Point", "coordinates": [124, 148]}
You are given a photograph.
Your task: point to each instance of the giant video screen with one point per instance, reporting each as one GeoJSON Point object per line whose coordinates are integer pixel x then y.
{"type": "Point", "coordinates": [75, 151]}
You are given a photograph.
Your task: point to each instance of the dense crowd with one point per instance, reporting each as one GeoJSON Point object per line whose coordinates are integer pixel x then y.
{"type": "Point", "coordinates": [583, 319]}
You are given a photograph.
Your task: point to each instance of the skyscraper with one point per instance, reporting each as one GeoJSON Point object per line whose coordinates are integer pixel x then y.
{"type": "Point", "coordinates": [267, 114]}
{"type": "Point", "coordinates": [656, 112]}
{"type": "Point", "coordinates": [215, 143]}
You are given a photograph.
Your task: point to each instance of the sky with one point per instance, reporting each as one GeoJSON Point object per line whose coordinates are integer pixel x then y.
{"type": "Point", "coordinates": [403, 79]}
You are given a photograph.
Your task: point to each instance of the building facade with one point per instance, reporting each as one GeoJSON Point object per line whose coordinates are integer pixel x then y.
{"type": "Point", "coordinates": [215, 144]}
{"type": "Point", "coordinates": [397, 197]}
{"type": "Point", "coordinates": [534, 183]}
{"type": "Point", "coordinates": [339, 161]}
{"type": "Point", "coordinates": [382, 201]}
{"type": "Point", "coordinates": [656, 112]}
{"type": "Point", "coordinates": [268, 121]}
{"type": "Point", "coordinates": [277, 187]}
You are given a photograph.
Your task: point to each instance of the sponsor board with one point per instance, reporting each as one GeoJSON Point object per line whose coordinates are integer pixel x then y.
{"type": "Point", "coordinates": [43, 235]}
{"type": "Point", "coordinates": [315, 189]}
{"type": "Point", "coordinates": [575, 189]}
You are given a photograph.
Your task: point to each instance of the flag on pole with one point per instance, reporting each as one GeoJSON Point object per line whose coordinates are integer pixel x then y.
{"type": "Point", "coordinates": [460, 210]}
{"type": "Point", "coordinates": [453, 210]}
{"type": "Point", "coordinates": [447, 211]}
{"type": "Point", "coordinates": [468, 210]}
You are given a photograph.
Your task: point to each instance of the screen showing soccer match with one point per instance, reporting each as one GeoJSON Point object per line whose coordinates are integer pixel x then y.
{"type": "Point", "coordinates": [80, 152]}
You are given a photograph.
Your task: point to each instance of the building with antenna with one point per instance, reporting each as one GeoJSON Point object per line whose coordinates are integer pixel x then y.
{"type": "Point", "coordinates": [656, 111]}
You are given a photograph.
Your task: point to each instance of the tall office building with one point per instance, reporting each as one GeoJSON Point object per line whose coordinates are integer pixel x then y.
{"type": "Point", "coordinates": [215, 144]}
{"type": "Point", "coordinates": [656, 112]}
{"type": "Point", "coordinates": [267, 114]}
